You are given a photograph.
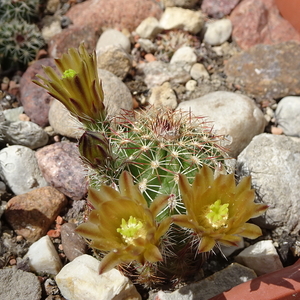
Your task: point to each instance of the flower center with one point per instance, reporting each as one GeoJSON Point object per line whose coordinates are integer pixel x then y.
{"type": "Point", "coordinates": [130, 229]}
{"type": "Point", "coordinates": [218, 214]}
{"type": "Point", "coordinates": [69, 74]}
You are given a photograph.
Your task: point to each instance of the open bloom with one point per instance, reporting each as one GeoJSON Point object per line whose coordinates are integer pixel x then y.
{"type": "Point", "coordinates": [123, 224]}
{"type": "Point", "coordinates": [78, 86]}
{"type": "Point", "coordinates": [217, 209]}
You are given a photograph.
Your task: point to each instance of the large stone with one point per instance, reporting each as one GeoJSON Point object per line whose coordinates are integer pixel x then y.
{"type": "Point", "coordinates": [271, 71]}
{"type": "Point", "coordinates": [232, 115]}
{"type": "Point", "coordinates": [273, 161]}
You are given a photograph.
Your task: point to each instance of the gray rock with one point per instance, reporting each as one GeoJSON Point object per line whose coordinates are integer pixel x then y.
{"type": "Point", "coordinates": [287, 115]}
{"type": "Point", "coordinates": [273, 161]}
{"type": "Point", "coordinates": [185, 55]}
{"type": "Point", "coordinates": [147, 45]}
{"type": "Point", "coordinates": [163, 96]}
{"type": "Point", "coordinates": [217, 32]}
{"type": "Point", "coordinates": [19, 285]}
{"type": "Point", "coordinates": [233, 115]}
{"type": "Point", "coordinates": [12, 114]}
{"type": "Point", "coordinates": [20, 169]}
{"type": "Point", "coordinates": [24, 133]}
{"type": "Point", "coordinates": [198, 71]}
{"type": "Point", "coordinates": [148, 28]}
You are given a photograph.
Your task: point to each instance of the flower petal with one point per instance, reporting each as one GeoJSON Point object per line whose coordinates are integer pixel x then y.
{"type": "Point", "coordinates": [184, 221]}
{"type": "Point", "coordinates": [110, 261]}
{"type": "Point", "coordinates": [158, 204]}
{"type": "Point", "coordinates": [206, 244]}
{"type": "Point", "coordinates": [152, 253]}
{"type": "Point", "coordinates": [250, 231]}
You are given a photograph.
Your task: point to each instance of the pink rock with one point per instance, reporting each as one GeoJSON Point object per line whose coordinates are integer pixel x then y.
{"type": "Point", "coordinates": [35, 100]}
{"type": "Point", "coordinates": [218, 8]}
{"type": "Point", "coordinates": [62, 168]}
{"type": "Point", "coordinates": [259, 22]}
{"type": "Point", "coordinates": [31, 214]}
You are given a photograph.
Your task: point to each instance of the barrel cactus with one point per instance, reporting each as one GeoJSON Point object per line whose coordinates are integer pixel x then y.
{"type": "Point", "coordinates": [160, 176]}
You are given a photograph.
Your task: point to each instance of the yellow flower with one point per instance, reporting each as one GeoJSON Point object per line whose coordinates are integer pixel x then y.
{"type": "Point", "coordinates": [78, 86]}
{"type": "Point", "coordinates": [123, 224]}
{"type": "Point", "coordinates": [217, 209]}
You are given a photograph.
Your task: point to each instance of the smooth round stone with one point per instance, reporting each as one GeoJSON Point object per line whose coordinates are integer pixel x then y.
{"type": "Point", "coordinates": [218, 32]}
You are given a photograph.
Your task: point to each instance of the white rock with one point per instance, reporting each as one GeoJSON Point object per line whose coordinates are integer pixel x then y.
{"type": "Point", "coordinates": [20, 169]}
{"type": "Point", "coordinates": [233, 115]}
{"type": "Point", "coordinates": [198, 71]}
{"type": "Point", "coordinates": [260, 257]}
{"type": "Point", "coordinates": [163, 96]}
{"type": "Point", "coordinates": [148, 28]}
{"type": "Point", "coordinates": [12, 114]}
{"type": "Point", "coordinates": [184, 54]}
{"type": "Point", "coordinates": [49, 31]}
{"type": "Point", "coordinates": [218, 32]}
{"type": "Point", "coordinates": [180, 18]}
{"type": "Point", "coordinates": [147, 45]}
{"type": "Point", "coordinates": [80, 280]}
{"type": "Point", "coordinates": [114, 37]}
{"type": "Point", "coordinates": [43, 257]}
{"type": "Point", "coordinates": [191, 85]}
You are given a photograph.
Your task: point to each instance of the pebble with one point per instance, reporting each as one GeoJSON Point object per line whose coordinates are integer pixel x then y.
{"type": "Point", "coordinates": [17, 284]}
{"type": "Point", "coordinates": [163, 96]}
{"type": "Point", "coordinates": [73, 244]}
{"type": "Point", "coordinates": [51, 30]}
{"type": "Point", "coordinates": [273, 162]}
{"type": "Point", "coordinates": [233, 115]}
{"type": "Point", "coordinates": [217, 32]}
{"type": "Point", "coordinates": [218, 8]}
{"type": "Point", "coordinates": [147, 45]}
{"type": "Point", "coordinates": [80, 280]}
{"type": "Point", "coordinates": [13, 113]}
{"type": "Point", "coordinates": [180, 18]}
{"type": "Point", "coordinates": [24, 133]}
{"type": "Point", "coordinates": [43, 257]}
{"type": "Point", "coordinates": [287, 115]}
{"type": "Point", "coordinates": [114, 59]}
{"type": "Point", "coordinates": [148, 28]}
{"type": "Point", "coordinates": [211, 286]}
{"type": "Point", "coordinates": [63, 169]}
{"type": "Point", "coordinates": [184, 55]}
{"type": "Point", "coordinates": [180, 3]}
{"type": "Point", "coordinates": [114, 37]}
{"type": "Point", "coordinates": [263, 77]}
{"type": "Point", "coordinates": [260, 257]}
{"type": "Point", "coordinates": [31, 214]}
{"type": "Point", "coordinates": [198, 71]}
{"type": "Point", "coordinates": [20, 169]}
{"type": "Point", "coordinates": [191, 85]}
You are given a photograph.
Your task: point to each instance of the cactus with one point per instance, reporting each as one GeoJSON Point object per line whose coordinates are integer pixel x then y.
{"type": "Point", "coordinates": [151, 172]}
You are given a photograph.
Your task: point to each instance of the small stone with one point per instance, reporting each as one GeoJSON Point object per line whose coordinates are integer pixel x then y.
{"type": "Point", "coordinates": [51, 30]}
{"type": "Point", "coordinates": [163, 96]}
{"type": "Point", "coordinates": [218, 8]}
{"type": "Point", "coordinates": [217, 32]}
{"type": "Point", "coordinates": [80, 280]}
{"type": "Point", "coordinates": [276, 130]}
{"type": "Point", "coordinates": [147, 45]}
{"type": "Point", "coordinates": [185, 55]}
{"type": "Point", "coordinates": [43, 257]}
{"type": "Point", "coordinates": [148, 28]}
{"type": "Point", "coordinates": [13, 113]}
{"type": "Point", "coordinates": [191, 85]}
{"type": "Point", "coordinates": [260, 257]}
{"type": "Point", "coordinates": [198, 71]}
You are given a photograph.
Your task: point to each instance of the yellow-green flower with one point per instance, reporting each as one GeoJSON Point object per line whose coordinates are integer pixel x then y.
{"type": "Point", "coordinates": [78, 86]}
{"type": "Point", "coordinates": [218, 209]}
{"type": "Point", "coordinates": [123, 224]}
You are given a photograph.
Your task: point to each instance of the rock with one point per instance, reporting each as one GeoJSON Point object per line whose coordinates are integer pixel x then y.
{"type": "Point", "coordinates": [13, 113]}
{"type": "Point", "coordinates": [35, 100]}
{"type": "Point", "coordinates": [114, 37]}
{"type": "Point", "coordinates": [24, 133]}
{"type": "Point", "coordinates": [20, 169]}
{"type": "Point", "coordinates": [218, 8]}
{"type": "Point", "coordinates": [158, 72]}
{"type": "Point", "coordinates": [273, 163]}
{"type": "Point", "coordinates": [257, 73]}
{"type": "Point", "coordinates": [43, 257]}
{"type": "Point", "coordinates": [217, 32]}
{"type": "Point", "coordinates": [80, 280]}
{"type": "Point", "coordinates": [287, 115]}
{"type": "Point", "coordinates": [63, 169]}
{"type": "Point", "coordinates": [117, 96]}
{"type": "Point", "coordinates": [180, 18]}
{"type": "Point", "coordinates": [259, 22]}
{"type": "Point", "coordinates": [63, 122]}
{"type": "Point", "coordinates": [211, 286]}
{"type": "Point", "coordinates": [51, 29]}
{"type": "Point", "coordinates": [17, 284]}
{"type": "Point", "coordinates": [32, 213]}
{"type": "Point", "coordinates": [184, 55]}
{"type": "Point", "coordinates": [114, 59]}
{"type": "Point", "coordinates": [73, 244]}
{"type": "Point", "coordinates": [260, 257]}
{"type": "Point", "coordinates": [147, 45]}
{"type": "Point", "coordinates": [191, 85]}
{"type": "Point", "coordinates": [180, 3]}
{"type": "Point", "coordinates": [163, 96]}
{"type": "Point", "coordinates": [198, 71]}
{"type": "Point", "coordinates": [233, 115]}
{"type": "Point", "coordinates": [114, 13]}
{"type": "Point", "coordinates": [148, 28]}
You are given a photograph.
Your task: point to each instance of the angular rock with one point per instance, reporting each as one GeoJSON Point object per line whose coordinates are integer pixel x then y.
{"type": "Point", "coordinates": [198, 71]}
{"type": "Point", "coordinates": [217, 32]}
{"type": "Point", "coordinates": [13, 114]}
{"type": "Point", "coordinates": [271, 71]}
{"type": "Point", "coordinates": [17, 284]}
{"type": "Point", "coordinates": [80, 280]}
{"type": "Point", "coordinates": [35, 100]}
{"type": "Point", "coordinates": [218, 8]}
{"type": "Point", "coordinates": [43, 257]}
{"type": "Point", "coordinates": [260, 257]}
{"type": "Point", "coordinates": [31, 214]}
{"type": "Point", "coordinates": [148, 28]}
{"type": "Point", "coordinates": [273, 162]}
{"type": "Point", "coordinates": [232, 115]}
{"type": "Point", "coordinates": [20, 170]}
{"type": "Point", "coordinates": [163, 96]}
{"type": "Point", "coordinates": [63, 169]}
{"type": "Point", "coordinates": [259, 22]}
{"type": "Point", "coordinates": [186, 55]}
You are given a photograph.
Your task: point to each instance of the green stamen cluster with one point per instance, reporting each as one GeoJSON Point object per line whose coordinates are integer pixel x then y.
{"type": "Point", "coordinates": [69, 74]}
{"type": "Point", "coordinates": [218, 214]}
{"type": "Point", "coordinates": [130, 229]}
